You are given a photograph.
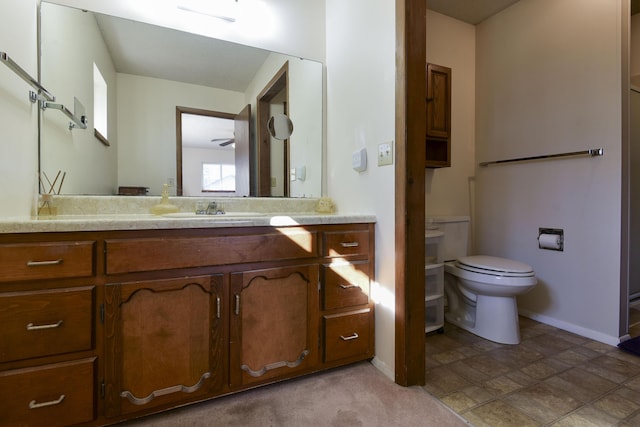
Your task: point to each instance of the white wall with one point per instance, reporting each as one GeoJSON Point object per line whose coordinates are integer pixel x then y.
{"type": "Point", "coordinates": [18, 116]}
{"type": "Point", "coordinates": [549, 81]}
{"type": "Point", "coordinates": [147, 125]}
{"type": "Point", "coordinates": [360, 113]}
{"type": "Point", "coordinates": [452, 43]}
{"type": "Point", "coordinates": [90, 166]}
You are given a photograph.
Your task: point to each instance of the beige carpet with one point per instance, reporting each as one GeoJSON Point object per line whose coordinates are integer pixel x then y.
{"type": "Point", "coordinates": [356, 395]}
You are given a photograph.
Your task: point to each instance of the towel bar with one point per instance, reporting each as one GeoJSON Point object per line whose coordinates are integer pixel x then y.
{"type": "Point", "coordinates": [593, 152]}
{"type": "Point", "coordinates": [4, 58]}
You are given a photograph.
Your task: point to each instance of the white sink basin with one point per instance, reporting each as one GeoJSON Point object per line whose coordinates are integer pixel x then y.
{"type": "Point", "coordinates": [191, 215]}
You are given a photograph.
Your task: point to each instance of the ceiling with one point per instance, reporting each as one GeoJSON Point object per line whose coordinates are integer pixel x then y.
{"type": "Point", "coordinates": [153, 51]}
{"type": "Point", "coordinates": [199, 131]}
{"type": "Point", "coordinates": [475, 11]}
{"type": "Point", "coordinates": [469, 11]}
{"type": "Point", "coordinates": [158, 52]}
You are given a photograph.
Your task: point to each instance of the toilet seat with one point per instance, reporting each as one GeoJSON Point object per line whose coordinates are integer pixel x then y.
{"type": "Point", "coordinates": [494, 266]}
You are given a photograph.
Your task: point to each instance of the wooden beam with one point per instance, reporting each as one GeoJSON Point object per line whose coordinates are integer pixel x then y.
{"type": "Point", "coordinates": [410, 190]}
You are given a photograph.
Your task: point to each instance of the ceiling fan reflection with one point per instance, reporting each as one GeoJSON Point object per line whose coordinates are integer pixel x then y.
{"type": "Point", "coordinates": [223, 142]}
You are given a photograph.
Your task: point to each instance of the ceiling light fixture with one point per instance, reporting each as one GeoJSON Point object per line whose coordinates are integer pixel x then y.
{"type": "Point", "coordinates": [225, 10]}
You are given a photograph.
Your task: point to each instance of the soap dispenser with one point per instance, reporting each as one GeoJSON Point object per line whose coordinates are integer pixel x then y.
{"type": "Point", "coordinates": [164, 207]}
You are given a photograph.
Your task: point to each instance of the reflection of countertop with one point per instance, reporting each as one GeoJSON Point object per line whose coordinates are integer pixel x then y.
{"type": "Point", "coordinates": [147, 221]}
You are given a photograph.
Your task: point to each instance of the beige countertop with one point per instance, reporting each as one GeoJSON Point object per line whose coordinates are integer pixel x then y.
{"type": "Point", "coordinates": [150, 222]}
{"type": "Point", "coordinates": [91, 213]}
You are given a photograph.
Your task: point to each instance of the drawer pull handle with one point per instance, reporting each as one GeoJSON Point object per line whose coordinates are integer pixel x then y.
{"type": "Point", "coordinates": [32, 327]}
{"type": "Point", "coordinates": [44, 263]}
{"type": "Point", "coordinates": [349, 244]}
{"type": "Point", "coordinates": [351, 286]}
{"type": "Point", "coordinates": [237, 304]}
{"type": "Point", "coordinates": [218, 307]}
{"type": "Point", "coordinates": [34, 405]}
{"type": "Point", "coordinates": [350, 337]}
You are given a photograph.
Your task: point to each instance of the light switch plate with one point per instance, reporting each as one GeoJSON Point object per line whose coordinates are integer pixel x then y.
{"type": "Point", "coordinates": [385, 153]}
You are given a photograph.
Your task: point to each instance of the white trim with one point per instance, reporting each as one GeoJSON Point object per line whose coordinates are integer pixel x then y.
{"type": "Point", "coordinates": [382, 367]}
{"type": "Point", "coordinates": [570, 327]}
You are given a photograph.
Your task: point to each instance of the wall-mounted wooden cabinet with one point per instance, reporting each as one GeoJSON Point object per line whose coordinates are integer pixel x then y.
{"type": "Point", "coordinates": [438, 138]}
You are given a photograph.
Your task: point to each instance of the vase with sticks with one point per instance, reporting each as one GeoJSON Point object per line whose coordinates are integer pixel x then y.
{"type": "Point", "coordinates": [46, 206]}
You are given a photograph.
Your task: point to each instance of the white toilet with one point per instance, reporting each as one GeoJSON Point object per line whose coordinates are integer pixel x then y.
{"type": "Point", "coordinates": [481, 290]}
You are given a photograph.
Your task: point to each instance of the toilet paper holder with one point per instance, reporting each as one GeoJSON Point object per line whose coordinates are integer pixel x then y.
{"type": "Point", "coordinates": [551, 239]}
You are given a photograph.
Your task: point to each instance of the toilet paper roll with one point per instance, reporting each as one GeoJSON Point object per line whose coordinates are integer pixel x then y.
{"type": "Point", "coordinates": [550, 241]}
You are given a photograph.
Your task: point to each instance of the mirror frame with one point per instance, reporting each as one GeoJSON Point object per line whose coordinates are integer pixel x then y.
{"type": "Point", "coordinates": [188, 110]}
{"type": "Point", "coordinates": [278, 83]}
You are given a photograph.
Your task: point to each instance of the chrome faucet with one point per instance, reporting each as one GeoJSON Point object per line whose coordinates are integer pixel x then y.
{"type": "Point", "coordinates": [212, 209]}
{"type": "Point", "coordinates": [209, 209]}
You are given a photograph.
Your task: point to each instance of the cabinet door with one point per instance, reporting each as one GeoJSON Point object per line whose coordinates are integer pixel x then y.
{"type": "Point", "coordinates": [274, 323]}
{"type": "Point", "coordinates": [438, 140]}
{"type": "Point", "coordinates": [438, 101]}
{"type": "Point", "coordinates": [164, 342]}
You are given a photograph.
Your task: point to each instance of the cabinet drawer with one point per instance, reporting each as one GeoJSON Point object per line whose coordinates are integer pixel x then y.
{"type": "Point", "coordinates": [348, 335]}
{"type": "Point", "coordinates": [341, 243]}
{"type": "Point", "coordinates": [132, 255]}
{"type": "Point", "coordinates": [41, 323]}
{"type": "Point", "coordinates": [51, 395]}
{"type": "Point", "coordinates": [47, 260]}
{"type": "Point", "coordinates": [346, 285]}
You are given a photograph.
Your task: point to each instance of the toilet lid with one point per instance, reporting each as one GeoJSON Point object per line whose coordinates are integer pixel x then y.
{"type": "Point", "coordinates": [495, 266]}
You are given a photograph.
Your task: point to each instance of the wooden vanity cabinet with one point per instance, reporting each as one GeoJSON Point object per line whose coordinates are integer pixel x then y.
{"type": "Point", "coordinates": [48, 354]}
{"type": "Point", "coordinates": [101, 327]}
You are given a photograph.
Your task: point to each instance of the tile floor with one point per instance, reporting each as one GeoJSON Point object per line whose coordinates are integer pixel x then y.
{"type": "Point", "coordinates": [552, 378]}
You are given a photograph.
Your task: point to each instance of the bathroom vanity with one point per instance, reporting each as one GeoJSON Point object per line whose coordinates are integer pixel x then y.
{"type": "Point", "coordinates": [113, 322]}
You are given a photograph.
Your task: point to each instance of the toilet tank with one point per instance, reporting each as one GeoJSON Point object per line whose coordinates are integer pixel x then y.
{"type": "Point", "coordinates": [456, 231]}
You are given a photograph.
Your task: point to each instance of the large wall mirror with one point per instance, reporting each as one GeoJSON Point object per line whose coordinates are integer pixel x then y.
{"type": "Point", "coordinates": [141, 86]}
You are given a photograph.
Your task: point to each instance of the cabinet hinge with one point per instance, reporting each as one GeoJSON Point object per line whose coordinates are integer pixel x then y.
{"type": "Point", "coordinates": [102, 313]}
{"type": "Point", "coordinates": [102, 389]}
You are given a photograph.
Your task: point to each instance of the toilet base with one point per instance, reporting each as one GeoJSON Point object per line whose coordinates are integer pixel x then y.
{"type": "Point", "coordinates": [492, 318]}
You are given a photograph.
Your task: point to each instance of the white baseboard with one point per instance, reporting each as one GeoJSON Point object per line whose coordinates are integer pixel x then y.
{"type": "Point", "coordinates": [570, 327]}
{"type": "Point", "coordinates": [384, 368]}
